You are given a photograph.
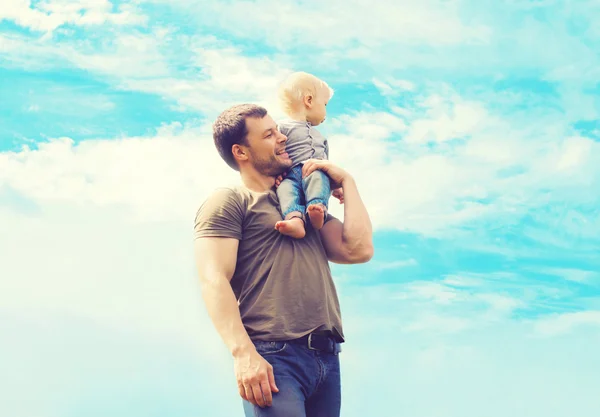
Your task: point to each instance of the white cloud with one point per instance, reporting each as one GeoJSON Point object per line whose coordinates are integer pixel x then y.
{"type": "Point", "coordinates": [391, 86]}
{"type": "Point", "coordinates": [118, 57]}
{"type": "Point", "coordinates": [568, 322]}
{"type": "Point", "coordinates": [161, 177]}
{"type": "Point", "coordinates": [540, 378]}
{"type": "Point", "coordinates": [462, 281]}
{"type": "Point", "coordinates": [441, 294]}
{"type": "Point", "coordinates": [23, 53]}
{"type": "Point", "coordinates": [374, 126]}
{"type": "Point", "coordinates": [432, 323]}
{"type": "Point", "coordinates": [433, 167]}
{"type": "Point", "coordinates": [218, 74]}
{"type": "Point", "coordinates": [344, 24]}
{"type": "Point", "coordinates": [96, 245]}
{"type": "Point", "coordinates": [397, 264]}
{"type": "Point", "coordinates": [98, 303]}
{"type": "Point", "coordinates": [572, 274]}
{"type": "Point", "coordinates": [225, 76]}
{"type": "Point", "coordinates": [500, 305]}
{"type": "Point", "coordinates": [98, 281]}
{"type": "Point", "coordinates": [449, 305]}
{"type": "Point", "coordinates": [576, 152]}
{"type": "Point", "coordinates": [448, 118]}
{"type": "Point", "coordinates": [500, 173]}
{"type": "Point", "coordinates": [435, 292]}
{"type": "Point", "coordinates": [126, 56]}
{"type": "Point", "coordinates": [101, 304]}
{"type": "Point", "coordinates": [51, 14]}
{"type": "Point", "coordinates": [414, 177]}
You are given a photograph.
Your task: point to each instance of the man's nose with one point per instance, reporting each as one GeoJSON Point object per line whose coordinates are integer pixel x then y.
{"type": "Point", "coordinates": [282, 137]}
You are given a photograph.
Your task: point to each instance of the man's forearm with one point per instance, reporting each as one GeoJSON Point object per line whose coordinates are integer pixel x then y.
{"type": "Point", "coordinates": [357, 232]}
{"type": "Point", "coordinates": [225, 314]}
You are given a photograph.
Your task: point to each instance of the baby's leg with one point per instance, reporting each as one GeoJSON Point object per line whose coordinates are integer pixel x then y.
{"type": "Point", "coordinates": [290, 198]}
{"type": "Point", "coordinates": [317, 190]}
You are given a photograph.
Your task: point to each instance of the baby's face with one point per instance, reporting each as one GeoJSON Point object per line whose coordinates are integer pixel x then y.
{"type": "Point", "coordinates": [317, 113]}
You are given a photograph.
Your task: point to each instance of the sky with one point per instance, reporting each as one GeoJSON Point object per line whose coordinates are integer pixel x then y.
{"type": "Point", "coordinates": [473, 133]}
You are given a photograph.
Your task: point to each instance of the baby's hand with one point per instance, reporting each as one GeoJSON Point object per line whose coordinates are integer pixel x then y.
{"type": "Point", "coordinates": [339, 194]}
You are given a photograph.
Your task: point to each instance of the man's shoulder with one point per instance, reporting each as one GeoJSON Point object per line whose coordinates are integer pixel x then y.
{"type": "Point", "coordinates": [221, 214]}
{"type": "Point", "coordinates": [226, 192]}
{"type": "Point", "coordinates": [224, 202]}
{"type": "Point", "coordinates": [229, 195]}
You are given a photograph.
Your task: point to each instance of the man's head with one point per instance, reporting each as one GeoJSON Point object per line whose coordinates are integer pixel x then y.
{"type": "Point", "coordinates": [304, 94]}
{"type": "Point", "coordinates": [248, 138]}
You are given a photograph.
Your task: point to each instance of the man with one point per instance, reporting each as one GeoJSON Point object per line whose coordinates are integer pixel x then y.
{"type": "Point", "coordinates": [271, 297]}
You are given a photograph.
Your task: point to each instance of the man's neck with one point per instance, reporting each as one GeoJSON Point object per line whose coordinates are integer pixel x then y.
{"type": "Point", "coordinates": [257, 182]}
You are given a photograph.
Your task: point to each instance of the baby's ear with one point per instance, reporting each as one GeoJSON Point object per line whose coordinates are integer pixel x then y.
{"type": "Point", "coordinates": [308, 99]}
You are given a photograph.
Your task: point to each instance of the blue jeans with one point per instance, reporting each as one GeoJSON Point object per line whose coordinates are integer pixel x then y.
{"type": "Point", "coordinates": [308, 381]}
{"type": "Point", "coordinates": [296, 193]}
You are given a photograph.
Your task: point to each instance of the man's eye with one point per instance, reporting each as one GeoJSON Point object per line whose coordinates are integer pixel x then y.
{"type": "Point", "coordinates": [269, 135]}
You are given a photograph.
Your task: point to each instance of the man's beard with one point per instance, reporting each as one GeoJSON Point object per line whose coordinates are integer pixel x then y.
{"type": "Point", "coordinates": [271, 166]}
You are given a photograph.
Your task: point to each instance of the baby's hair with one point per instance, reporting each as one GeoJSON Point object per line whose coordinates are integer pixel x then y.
{"type": "Point", "coordinates": [297, 86]}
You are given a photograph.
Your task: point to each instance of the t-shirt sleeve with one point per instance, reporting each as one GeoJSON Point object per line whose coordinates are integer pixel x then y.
{"type": "Point", "coordinates": [221, 215]}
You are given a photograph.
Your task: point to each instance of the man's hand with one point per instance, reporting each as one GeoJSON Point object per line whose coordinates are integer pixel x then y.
{"type": "Point", "coordinates": [255, 377]}
{"type": "Point", "coordinates": [336, 174]}
{"type": "Point", "coordinates": [339, 194]}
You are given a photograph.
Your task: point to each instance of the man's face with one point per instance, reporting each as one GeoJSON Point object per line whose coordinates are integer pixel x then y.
{"type": "Point", "coordinates": [267, 146]}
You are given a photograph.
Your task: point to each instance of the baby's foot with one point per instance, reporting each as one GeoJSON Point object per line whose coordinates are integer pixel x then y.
{"type": "Point", "coordinates": [316, 214]}
{"type": "Point", "coordinates": [293, 228]}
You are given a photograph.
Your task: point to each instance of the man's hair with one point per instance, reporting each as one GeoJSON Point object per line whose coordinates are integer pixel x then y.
{"type": "Point", "coordinates": [230, 129]}
{"type": "Point", "coordinates": [296, 86]}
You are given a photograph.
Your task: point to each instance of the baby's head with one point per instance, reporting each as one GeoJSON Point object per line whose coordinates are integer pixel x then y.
{"type": "Point", "coordinates": [305, 96]}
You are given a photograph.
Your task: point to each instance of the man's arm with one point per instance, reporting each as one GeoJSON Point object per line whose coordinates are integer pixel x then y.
{"type": "Point", "coordinates": [215, 261]}
{"type": "Point", "coordinates": [350, 242]}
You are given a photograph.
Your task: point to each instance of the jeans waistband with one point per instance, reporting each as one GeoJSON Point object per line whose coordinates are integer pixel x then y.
{"type": "Point", "coordinates": [319, 342]}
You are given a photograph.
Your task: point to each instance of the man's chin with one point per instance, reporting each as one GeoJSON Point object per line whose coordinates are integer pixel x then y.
{"type": "Point", "coordinates": [284, 168]}
{"type": "Point", "coordinates": [276, 166]}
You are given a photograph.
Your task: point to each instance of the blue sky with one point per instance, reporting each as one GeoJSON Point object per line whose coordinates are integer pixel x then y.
{"type": "Point", "coordinates": [471, 127]}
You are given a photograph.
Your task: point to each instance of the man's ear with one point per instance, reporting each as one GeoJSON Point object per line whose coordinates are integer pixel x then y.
{"type": "Point", "coordinates": [308, 100]}
{"type": "Point", "coordinates": [240, 153]}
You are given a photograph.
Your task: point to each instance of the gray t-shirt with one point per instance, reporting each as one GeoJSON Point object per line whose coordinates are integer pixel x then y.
{"type": "Point", "coordinates": [283, 285]}
{"type": "Point", "coordinates": [304, 141]}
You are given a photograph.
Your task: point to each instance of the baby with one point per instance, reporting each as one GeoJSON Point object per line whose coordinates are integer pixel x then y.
{"type": "Point", "coordinates": [304, 98]}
